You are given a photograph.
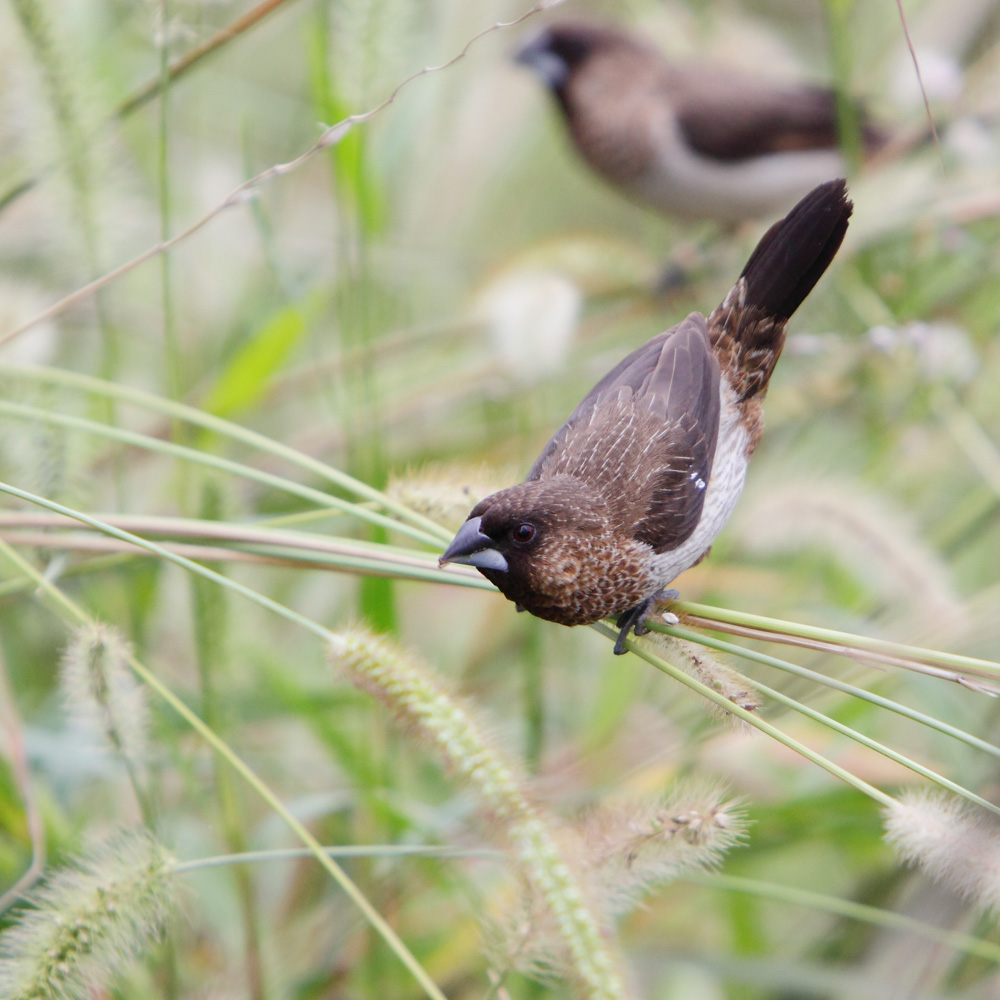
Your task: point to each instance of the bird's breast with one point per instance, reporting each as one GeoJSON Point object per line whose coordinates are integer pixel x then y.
{"type": "Point", "coordinates": [580, 577]}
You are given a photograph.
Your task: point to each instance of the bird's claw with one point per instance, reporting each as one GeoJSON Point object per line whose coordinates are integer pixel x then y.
{"type": "Point", "coordinates": [634, 620]}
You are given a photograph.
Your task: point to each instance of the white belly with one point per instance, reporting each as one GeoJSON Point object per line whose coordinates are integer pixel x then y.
{"type": "Point", "coordinates": [725, 485]}
{"type": "Point", "coordinates": [687, 184]}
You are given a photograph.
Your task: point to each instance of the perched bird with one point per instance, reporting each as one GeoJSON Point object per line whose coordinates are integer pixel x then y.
{"type": "Point", "coordinates": [634, 487]}
{"type": "Point", "coordinates": [695, 141]}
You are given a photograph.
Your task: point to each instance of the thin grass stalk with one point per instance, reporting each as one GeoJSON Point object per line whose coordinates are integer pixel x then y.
{"type": "Point", "coordinates": [171, 345]}
{"type": "Point", "coordinates": [325, 551]}
{"type": "Point", "coordinates": [837, 685]}
{"type": "Point", "coordinates": [880, 748]}
{"type": "Point", "coordinates": [849, 909]}
{"type": "Point", "coordinates": [193, 455]}
{"type": "Point", "coordinates": [867, 658]}
{"type": "Point", "coordinates": [342, 851]}
{"type": "Point", "coordinates": [261, 555]}
{"type": "Point", "coordinates": [210, 613]}
{"type": "Point", "coordinates": [749, 717]}
{"type": "Point", "coordinates": [776, 630]}
{"type": "Point", "coordinates": [158, 550]}
{"type": "Point", "coordinates": [77, 614]}
{"type": "Point", "coordinates": [199, 418]}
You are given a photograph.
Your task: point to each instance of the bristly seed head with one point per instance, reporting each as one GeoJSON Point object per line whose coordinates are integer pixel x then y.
{"type": "Point", "coordinates": [102, 696]}
{"type": "Point", "coordinates": [633, 847]}
{"type": "Point", "coordinates": [420, 701]}
{"type": "Point", "coordinates": [953, 842]}
{"type": "Point", "coordinates": [89, 921]}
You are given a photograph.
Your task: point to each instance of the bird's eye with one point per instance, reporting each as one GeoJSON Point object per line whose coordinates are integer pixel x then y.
{"type": "Point", "coordinates": [523, 533]}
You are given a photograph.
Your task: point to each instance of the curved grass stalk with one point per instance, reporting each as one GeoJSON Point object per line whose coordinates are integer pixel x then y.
{"type": "Point", "coordinates": [199, 418]}
{"type": "Point", "coordinates": [432, 716]}
{"type": "Point", "coordinates": [765, 727]}
{"type": "Point", "coordinates": [748, 717]}
{"type": "Point", "coordinates": [344, 851]}
{"type": "Point", "coordinates": [260, 555]}
{"type": "Point", "coordinates": [290, 548]}
{"type": "Point", "coordinates": [219, 745]}
{"type": "Point", "coordinates": [880, 748]}
{"type": "Point", "coordinates": [178, 560]}
{"type": "Point", "coordinates": [879, 651]}
{"type": "Point", "coordinates": [81, 424]}
{"type": "Point", "coordinates": [837, 685]}
{"type": "Point", "coordinates": [846, 908]}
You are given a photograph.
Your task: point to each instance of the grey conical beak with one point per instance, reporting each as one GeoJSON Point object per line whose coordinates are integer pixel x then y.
{"type": "Point", "coordinates": [471, 547]}
{"type": "Point", "coordinates": [539, 56]}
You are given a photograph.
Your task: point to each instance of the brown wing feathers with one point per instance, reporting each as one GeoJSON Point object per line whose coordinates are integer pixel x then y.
{"type": "Point", "coordinates": [645, 435]}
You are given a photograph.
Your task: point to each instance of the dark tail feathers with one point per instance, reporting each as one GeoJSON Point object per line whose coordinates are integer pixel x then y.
{"type": "Point", "coordinates": [793, 254]}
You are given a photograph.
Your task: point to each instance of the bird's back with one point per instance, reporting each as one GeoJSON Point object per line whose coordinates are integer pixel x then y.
{"type": "Point", "coordinates": [645, 435]}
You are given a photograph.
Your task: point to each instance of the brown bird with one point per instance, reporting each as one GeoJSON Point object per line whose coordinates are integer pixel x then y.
{"type": "Point", "coordinates": [695, 141]}
{"type": "Point", "coordinates": [634, 487]}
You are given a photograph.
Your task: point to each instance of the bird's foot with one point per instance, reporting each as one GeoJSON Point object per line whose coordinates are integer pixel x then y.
{"type": "Point", "coordinates": [634, 620]}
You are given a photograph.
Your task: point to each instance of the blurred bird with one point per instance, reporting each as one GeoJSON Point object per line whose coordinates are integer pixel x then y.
{"type": "Point", "coordinates": [634, 487]}
{"type": "Point", "coordinates": [695, 141]}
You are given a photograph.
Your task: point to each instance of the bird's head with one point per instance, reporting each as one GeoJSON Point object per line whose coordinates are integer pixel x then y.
{"type": "Point", "coordinates": [559, 50]}
{"type": "Point", "coordinates": [540, 543]}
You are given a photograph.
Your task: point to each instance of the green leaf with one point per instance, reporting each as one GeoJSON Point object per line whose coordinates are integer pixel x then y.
{"type": "Point", "coordinates": [244, 380]}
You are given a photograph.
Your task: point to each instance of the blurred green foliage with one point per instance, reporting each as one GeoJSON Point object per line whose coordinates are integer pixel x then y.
{"type": "Point", "coordinates": [353, 308]}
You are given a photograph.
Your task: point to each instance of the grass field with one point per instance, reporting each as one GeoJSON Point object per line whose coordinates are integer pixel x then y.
{"type": "Point", "coordinates": [278, 304]}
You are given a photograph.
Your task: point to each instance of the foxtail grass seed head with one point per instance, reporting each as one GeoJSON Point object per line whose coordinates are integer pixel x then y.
{"type": "Point", "coordinates": [633, 847]}
{"type": "Point", "coordinates": [420, 702]}
{"type": "Point", "coordinates": [714, 674]}
{"type": "Point", "coordinates": [102, 696]}
{"type": "Point", "coordinates": [88, 922]}
{"type": "Point", "coordinates": [952, 842]}
{"type": "Point", "coordinates": [445, 493]}
{"type": "Point", "coordinates": [59, 122]}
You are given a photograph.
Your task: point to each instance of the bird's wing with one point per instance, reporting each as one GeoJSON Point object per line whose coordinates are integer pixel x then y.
{"type": "Point", "coordinates": [733, 119]}
{"type": "Point", "coordinates": [645, 435]}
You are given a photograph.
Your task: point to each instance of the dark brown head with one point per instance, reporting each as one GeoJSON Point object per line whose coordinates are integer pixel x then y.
{"type": "Point", "coordinates": [561, 50]}
{"type": "Point", "coordinates": [549, 546]}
